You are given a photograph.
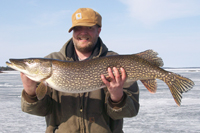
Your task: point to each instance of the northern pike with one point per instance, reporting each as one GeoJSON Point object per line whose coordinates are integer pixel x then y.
{"type": "Point", "coordinates": [85, 76]}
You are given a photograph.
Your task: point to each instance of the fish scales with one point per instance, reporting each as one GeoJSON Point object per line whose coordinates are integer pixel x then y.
{"type": "Point", "coordinates": [85, 76]}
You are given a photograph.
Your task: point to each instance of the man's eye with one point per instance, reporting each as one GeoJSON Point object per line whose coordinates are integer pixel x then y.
{"type": "Point", "coordinates": [90, 28]}
{"type": "Point", "coordinates": [77, 28]}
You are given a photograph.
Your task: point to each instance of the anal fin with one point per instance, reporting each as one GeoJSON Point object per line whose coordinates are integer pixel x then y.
{"type": "Point", "coordinates": [150, 84]}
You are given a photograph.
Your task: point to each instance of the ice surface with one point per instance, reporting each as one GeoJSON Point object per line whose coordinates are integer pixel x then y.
{"type": "Point", "coordinates": [158, 112]}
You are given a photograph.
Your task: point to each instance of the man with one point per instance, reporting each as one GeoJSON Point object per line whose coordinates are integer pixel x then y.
{"type": "Point", "coordinates": [100, 111]}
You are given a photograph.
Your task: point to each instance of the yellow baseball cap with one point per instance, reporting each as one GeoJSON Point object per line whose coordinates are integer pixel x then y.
{"type": "Point", "coordinates": [85, 17]}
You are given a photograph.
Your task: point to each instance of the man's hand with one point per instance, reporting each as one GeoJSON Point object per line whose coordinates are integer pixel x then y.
{"type": "Point", "coordinates": [29, 85]}
{"type": "Point", "coordinates": [115, 85]}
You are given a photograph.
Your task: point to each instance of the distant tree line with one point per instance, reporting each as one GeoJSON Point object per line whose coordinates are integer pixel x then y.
{"type": "Point", "coordinates": [6, 69]}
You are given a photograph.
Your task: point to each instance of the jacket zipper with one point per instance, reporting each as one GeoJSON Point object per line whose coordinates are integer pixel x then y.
{"type": "Point", "coordinates": [82, 113]}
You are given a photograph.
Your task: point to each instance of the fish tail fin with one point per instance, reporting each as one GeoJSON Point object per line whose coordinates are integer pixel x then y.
{"type": "Point", "coordinates": [150, 84]}
{"type": "Point", "coordinates": [41, 91]}
{"type": "Point", "coordinates": [177, 85]}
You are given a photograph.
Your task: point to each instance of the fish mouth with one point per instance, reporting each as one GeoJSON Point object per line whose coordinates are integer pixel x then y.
{"type": "Point", "coordinates": [8, 63]}
{"type": "Point", "coordinates": [16, 64]}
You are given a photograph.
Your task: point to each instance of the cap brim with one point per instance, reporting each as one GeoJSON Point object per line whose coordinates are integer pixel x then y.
{"type": "Point", "coordinates": [81, 24]}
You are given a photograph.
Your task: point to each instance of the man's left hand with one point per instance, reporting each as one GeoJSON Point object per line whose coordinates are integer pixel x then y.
{"type": "Point", "coordinates": [115, 85]}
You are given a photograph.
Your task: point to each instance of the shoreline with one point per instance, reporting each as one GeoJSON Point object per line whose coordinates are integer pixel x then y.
{"type": "Point", "coordinates": [6, 69]}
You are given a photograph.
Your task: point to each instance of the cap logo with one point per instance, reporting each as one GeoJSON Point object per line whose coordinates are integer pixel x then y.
{"type": "Point", "coordinates": [78, 16]}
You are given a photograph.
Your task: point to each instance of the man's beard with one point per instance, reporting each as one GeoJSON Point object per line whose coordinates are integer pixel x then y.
{"type": "Point", "coordinates": [89, 48]}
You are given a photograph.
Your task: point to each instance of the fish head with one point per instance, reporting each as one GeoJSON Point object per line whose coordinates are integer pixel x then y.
{"type": "Point", "coordinates": [35, 68]}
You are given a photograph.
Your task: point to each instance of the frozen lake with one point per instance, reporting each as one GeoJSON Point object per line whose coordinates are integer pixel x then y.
{"type": "Point", "coordinates": [158, 112]}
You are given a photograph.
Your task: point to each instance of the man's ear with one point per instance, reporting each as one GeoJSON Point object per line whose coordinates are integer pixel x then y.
{"type": "Point", "coordinates": [99, 30]}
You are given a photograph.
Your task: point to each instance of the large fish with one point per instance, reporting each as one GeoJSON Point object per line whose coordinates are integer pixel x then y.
{"type": "Point", "coordinates": [85, 76]}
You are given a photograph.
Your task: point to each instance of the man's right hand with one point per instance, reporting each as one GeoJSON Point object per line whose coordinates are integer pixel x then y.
{"type": "Point", "coordinates": [29, 85]}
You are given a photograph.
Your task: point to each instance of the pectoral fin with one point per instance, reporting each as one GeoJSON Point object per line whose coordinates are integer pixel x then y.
{"type": "Point", "coordinates": [150, 84]}
{"type": "Point", "coordinates": [41, 91]}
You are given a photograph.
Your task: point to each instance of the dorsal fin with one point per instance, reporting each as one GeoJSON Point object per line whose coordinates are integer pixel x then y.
{"type": "Point", "coordinates": [152, 57]}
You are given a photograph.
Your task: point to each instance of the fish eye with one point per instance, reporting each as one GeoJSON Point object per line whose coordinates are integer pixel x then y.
{"type": "Point", "coordinates": [30, 61]}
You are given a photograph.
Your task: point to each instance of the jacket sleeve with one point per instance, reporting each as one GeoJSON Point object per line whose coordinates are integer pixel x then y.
{"type": "Point", "coordinates": [128, 106]}
{"type": "Point", "coordinates": [34, 106]}
{"type": "Point", "coordinates": [31, 105]}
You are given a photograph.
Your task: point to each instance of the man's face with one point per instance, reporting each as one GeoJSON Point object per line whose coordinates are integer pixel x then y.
{"type": "Point", "coordinates": [85, 38]}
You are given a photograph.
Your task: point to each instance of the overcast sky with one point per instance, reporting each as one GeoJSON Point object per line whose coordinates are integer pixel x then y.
{"type": "Point", "coordinates": [35, 28]}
